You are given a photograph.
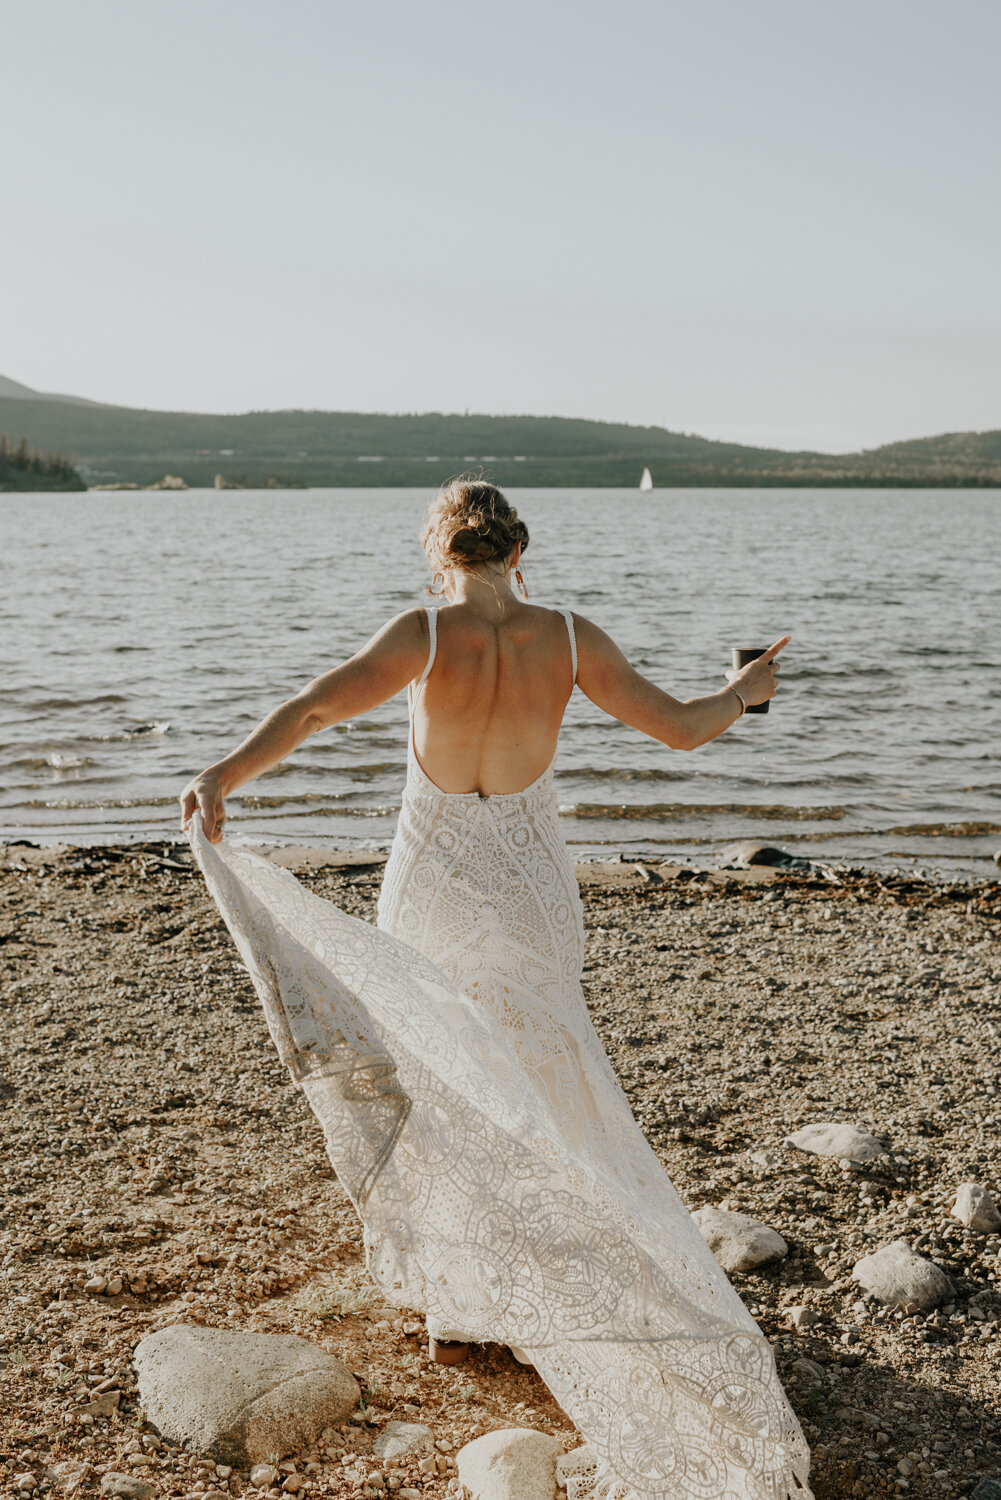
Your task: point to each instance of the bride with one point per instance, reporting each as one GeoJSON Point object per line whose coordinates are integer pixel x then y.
{"type": "Point", "coordinates": [469, 1108]}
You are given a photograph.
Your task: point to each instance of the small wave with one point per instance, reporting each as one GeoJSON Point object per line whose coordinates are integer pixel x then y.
{"type": "Point", "coordinates": [75, 703]}
{"type": "Point", "coordinates": [946, 830]}
{"type": "Point", "coordinates": [96, 804]}
{"type": "Point", "coordinates": [663, 811]}
{"type": "Point", "coordinates": [350, 772]}
{"type": "Point", "coordinates": [254, 800]}
{"type": "Point", "coordinates": [136, 732]}
{"type": "Point", "coordinates": [56, 760]}
{"type": "Point", "coordinates": [266, 815]}
{"type": "Point", "coordinates": [155, 727]}
{"type": "Point", "coordinates": [620, 773]}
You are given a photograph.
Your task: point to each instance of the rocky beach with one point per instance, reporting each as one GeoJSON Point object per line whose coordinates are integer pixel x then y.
{"type": "Point", "coordinates": [159, 1169]}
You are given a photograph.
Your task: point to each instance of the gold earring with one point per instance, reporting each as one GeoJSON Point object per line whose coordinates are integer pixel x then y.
{"type": "Point", "coordinates": [522, 589]}
{"type": "Point", "coordinates": [437, 584]}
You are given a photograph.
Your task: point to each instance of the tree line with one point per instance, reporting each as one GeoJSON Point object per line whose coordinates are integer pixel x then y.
{"type": "Point", "coordinates": [24, 467]}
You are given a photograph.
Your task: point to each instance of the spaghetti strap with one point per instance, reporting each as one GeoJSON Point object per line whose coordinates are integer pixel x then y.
{"type": "Point", "coordinates": [431, 610]}
{"type": "Point", "coordinates": [568, 617]}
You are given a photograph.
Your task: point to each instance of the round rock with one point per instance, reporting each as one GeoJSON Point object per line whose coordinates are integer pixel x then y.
{"type": "Point", "coordinates": [514, 1463]}
{"type": "Point", "coordinates": [398, 1439]}
{"type": "Point", "coordinates": [738, 1242]}
{"type": "Point", "coordinates": [896, 1274]}
{"type": "Point", "coordinates": [975, 1208]}
{"type": "Point", "coordinates": [832, 1138]}
{"type": "Point", "coordinates": [239, 1398]}
{"type": "Point", "coordinates": [126, 1487]}
{"type": "Point", "coordinates": [753, 852]}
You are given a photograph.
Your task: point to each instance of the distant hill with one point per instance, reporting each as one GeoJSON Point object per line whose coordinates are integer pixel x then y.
{"type": "Point", "coordinates": [13, 390]}
{"type": "Point", "coordinates": [316, 448]}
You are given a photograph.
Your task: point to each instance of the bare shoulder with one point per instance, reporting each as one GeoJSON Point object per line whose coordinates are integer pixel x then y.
{"type": "Point", "coordinates": [409, 626]}
{"type": "Point", "coordinates": [402, 639]}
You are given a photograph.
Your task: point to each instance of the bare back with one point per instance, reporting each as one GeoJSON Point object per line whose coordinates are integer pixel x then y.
{"type": "Point", "coordinates": [488, 716]}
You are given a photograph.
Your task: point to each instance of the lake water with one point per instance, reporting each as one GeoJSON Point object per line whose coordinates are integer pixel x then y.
{"type": "Point", "coordinates": [144, 634]}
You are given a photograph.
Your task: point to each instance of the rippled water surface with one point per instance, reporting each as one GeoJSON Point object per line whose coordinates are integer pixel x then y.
{"type": "Point", "coordinates": [144, 634]}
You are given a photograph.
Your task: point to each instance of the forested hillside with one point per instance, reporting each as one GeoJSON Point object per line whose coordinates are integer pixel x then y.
{"type": "Point", "coordinates": [119, 444]}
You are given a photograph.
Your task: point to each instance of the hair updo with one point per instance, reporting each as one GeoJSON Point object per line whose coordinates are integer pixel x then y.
{"type": "Point", "coordinates": [470, 522]}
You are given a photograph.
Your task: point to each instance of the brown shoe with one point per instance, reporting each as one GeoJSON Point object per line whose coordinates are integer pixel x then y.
{"type": "Point", "coordinates": [447, 1351]}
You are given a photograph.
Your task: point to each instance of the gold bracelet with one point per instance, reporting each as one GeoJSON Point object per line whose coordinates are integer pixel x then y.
{"type": "Point", "coordinates": [743, 705]}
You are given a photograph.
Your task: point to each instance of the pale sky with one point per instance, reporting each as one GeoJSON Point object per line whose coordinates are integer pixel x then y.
{"type": "Point", "coordinates": [771, 220]}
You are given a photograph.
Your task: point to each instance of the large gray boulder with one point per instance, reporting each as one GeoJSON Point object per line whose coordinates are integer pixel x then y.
{"type": "Point", "coordinates": [833, 1138]}
{"type": "Point", "coordinates": [239, 1397]}
{"type": "Point", "coordinates": [738, 1242]}
{"type": "Point", "coordinates": [898, 1275]}
{"type": "Point", "coordinates": [514, 1463]}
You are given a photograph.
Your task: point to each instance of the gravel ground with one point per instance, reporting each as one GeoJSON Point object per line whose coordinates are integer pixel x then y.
{"type": "Point", "coordinates": [152, 1142]}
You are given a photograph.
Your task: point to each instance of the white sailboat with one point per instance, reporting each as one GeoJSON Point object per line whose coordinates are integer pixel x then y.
{"type": "Point", "coordinates": [646, 483]}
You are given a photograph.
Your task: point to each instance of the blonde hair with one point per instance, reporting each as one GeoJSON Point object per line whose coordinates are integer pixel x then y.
{"type": "Point", "coordinates": [468, 522]}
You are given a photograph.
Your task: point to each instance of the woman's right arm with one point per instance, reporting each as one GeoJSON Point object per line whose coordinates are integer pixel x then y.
{"type": "Point", "coordinates": [609, 681]}
{"type": "Point", "coordinates": [382, 668]}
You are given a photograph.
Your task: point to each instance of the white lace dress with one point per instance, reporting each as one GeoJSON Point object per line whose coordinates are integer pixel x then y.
{"type": "Point", "coordinates": [474, 1118]}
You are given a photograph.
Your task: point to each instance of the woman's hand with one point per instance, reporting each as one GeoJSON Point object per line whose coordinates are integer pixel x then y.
{"type": "Point", "coordinates": [756, 682]}
{"type": "Point", "coordinates": [204, 792]}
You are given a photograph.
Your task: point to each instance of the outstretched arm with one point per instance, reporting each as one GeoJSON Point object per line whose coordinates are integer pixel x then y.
{"type": "Point", "coordinates": [392, 658]}
{"type": "Point", "coordinates": [607, 678]}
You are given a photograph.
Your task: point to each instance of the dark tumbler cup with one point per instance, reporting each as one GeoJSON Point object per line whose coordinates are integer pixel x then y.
{"type": "Point", "coordinates": [740, 659]}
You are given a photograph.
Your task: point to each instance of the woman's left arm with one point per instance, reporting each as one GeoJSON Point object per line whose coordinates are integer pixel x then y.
{"type": "Point", "coordinates": [382, 668]}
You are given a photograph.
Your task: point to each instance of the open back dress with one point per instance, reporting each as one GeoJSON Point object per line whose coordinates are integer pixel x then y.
{"type": "Point", "coordinates": [474, 1118]}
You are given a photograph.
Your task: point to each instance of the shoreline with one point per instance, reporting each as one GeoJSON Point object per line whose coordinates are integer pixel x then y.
{"type": "Point", "coordinates": [153, 1135]}
{"type": "Point", "coordinates": [634, 868]}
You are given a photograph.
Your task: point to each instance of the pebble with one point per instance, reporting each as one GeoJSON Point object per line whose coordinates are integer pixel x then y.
{"type": "Point", "coordinates": [809, 1370]}
{"type": "Point", "coordinates": [239, 1395]}
{"type": "Point", "coordinates": [70, 1473]}
{"type": "Point", "coordinates": [126, 1487]}
{"type": "Point", "coordinates": [803, 1317]}
{"type": "Point", "coordinates": [399, 1439]}
{"type": "Point", "coordinates": [769, 1161]}
{"type": "Point", "coordinates": [263, 1476]}
{"type": "Point", "coordinates": [511, 1463]}
{"type": "Point", "coordinates": [739, 1242]}
{"type": "Point", "coordinates": [897, 1275]}
{"type": "Point", "coordinates": [975, 1208]}
{"type": "Point", "coordinates": [834, 1138]}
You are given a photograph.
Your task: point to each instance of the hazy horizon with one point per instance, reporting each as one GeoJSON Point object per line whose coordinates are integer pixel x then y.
{"type": "Point", "coordinates": [770, 225]}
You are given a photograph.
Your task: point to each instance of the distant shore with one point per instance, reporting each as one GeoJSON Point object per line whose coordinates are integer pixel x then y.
{"type": "Point", "coordinates": [352, 450]}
